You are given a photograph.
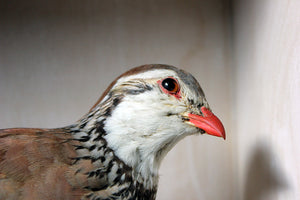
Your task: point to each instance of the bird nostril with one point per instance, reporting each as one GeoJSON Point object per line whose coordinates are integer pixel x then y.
{"type": "Point", "coordinates": [199, 106]}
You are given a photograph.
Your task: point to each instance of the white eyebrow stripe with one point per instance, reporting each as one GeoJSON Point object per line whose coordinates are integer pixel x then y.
{"type": "Point", "coordinates": [151, 74]}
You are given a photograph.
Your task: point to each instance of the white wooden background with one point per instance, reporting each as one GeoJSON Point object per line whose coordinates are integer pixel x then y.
{"type": "Point", "coordinates": [266, 99]}
{"type": "Point", "coordinates": [56, 57]}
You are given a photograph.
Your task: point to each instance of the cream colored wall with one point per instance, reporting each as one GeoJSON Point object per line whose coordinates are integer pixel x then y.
{"type": "Point", "coordinates": [266, 106]}
{"type": "Point", "coordinates": [57, 57]}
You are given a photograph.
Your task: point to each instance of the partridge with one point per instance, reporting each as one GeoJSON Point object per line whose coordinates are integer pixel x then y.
{"type": "Point", "coordinates": [115, 150]}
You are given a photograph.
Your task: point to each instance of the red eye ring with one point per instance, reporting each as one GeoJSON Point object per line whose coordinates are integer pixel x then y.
{"type": "Point", "coordinates": [170, 86]}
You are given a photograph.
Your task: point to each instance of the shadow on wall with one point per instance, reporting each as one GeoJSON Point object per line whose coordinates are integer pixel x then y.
{"type": "Point", "coordinates": [264, 175]}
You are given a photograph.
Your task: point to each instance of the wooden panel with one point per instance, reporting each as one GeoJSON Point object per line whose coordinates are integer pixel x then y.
{"type": "Point", "coordinates": [267, 94]}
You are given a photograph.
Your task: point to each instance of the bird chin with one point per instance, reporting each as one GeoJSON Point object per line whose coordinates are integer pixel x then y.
{"type": "Point", "coordinates": [195, 129]}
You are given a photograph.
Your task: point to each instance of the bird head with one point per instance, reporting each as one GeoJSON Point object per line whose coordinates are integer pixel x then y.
{"type": "Point", "coordinates": [148, 109]}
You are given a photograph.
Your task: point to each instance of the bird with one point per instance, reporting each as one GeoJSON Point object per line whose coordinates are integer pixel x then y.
{"type": "Point", "coordinates": [115, 150]}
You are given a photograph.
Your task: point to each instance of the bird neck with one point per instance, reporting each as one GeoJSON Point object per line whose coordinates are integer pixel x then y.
{"type": "Point", "coordinates": [91, 134]}
{"type": "Point", "coordinates": [115, 132]}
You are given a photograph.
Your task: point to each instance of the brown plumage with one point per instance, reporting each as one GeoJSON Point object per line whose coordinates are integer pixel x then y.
{"type": "Point", "coordinates": [115, 150]}
{"type": "Point", "coordinates": [36, 163]}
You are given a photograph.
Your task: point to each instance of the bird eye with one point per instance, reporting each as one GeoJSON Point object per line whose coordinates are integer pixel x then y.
{"type": "Point", "coordinates": [170, 84]}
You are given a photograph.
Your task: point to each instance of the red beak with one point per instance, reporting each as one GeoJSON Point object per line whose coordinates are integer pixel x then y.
{"type": "Point", "coordinates": [208, 122]}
